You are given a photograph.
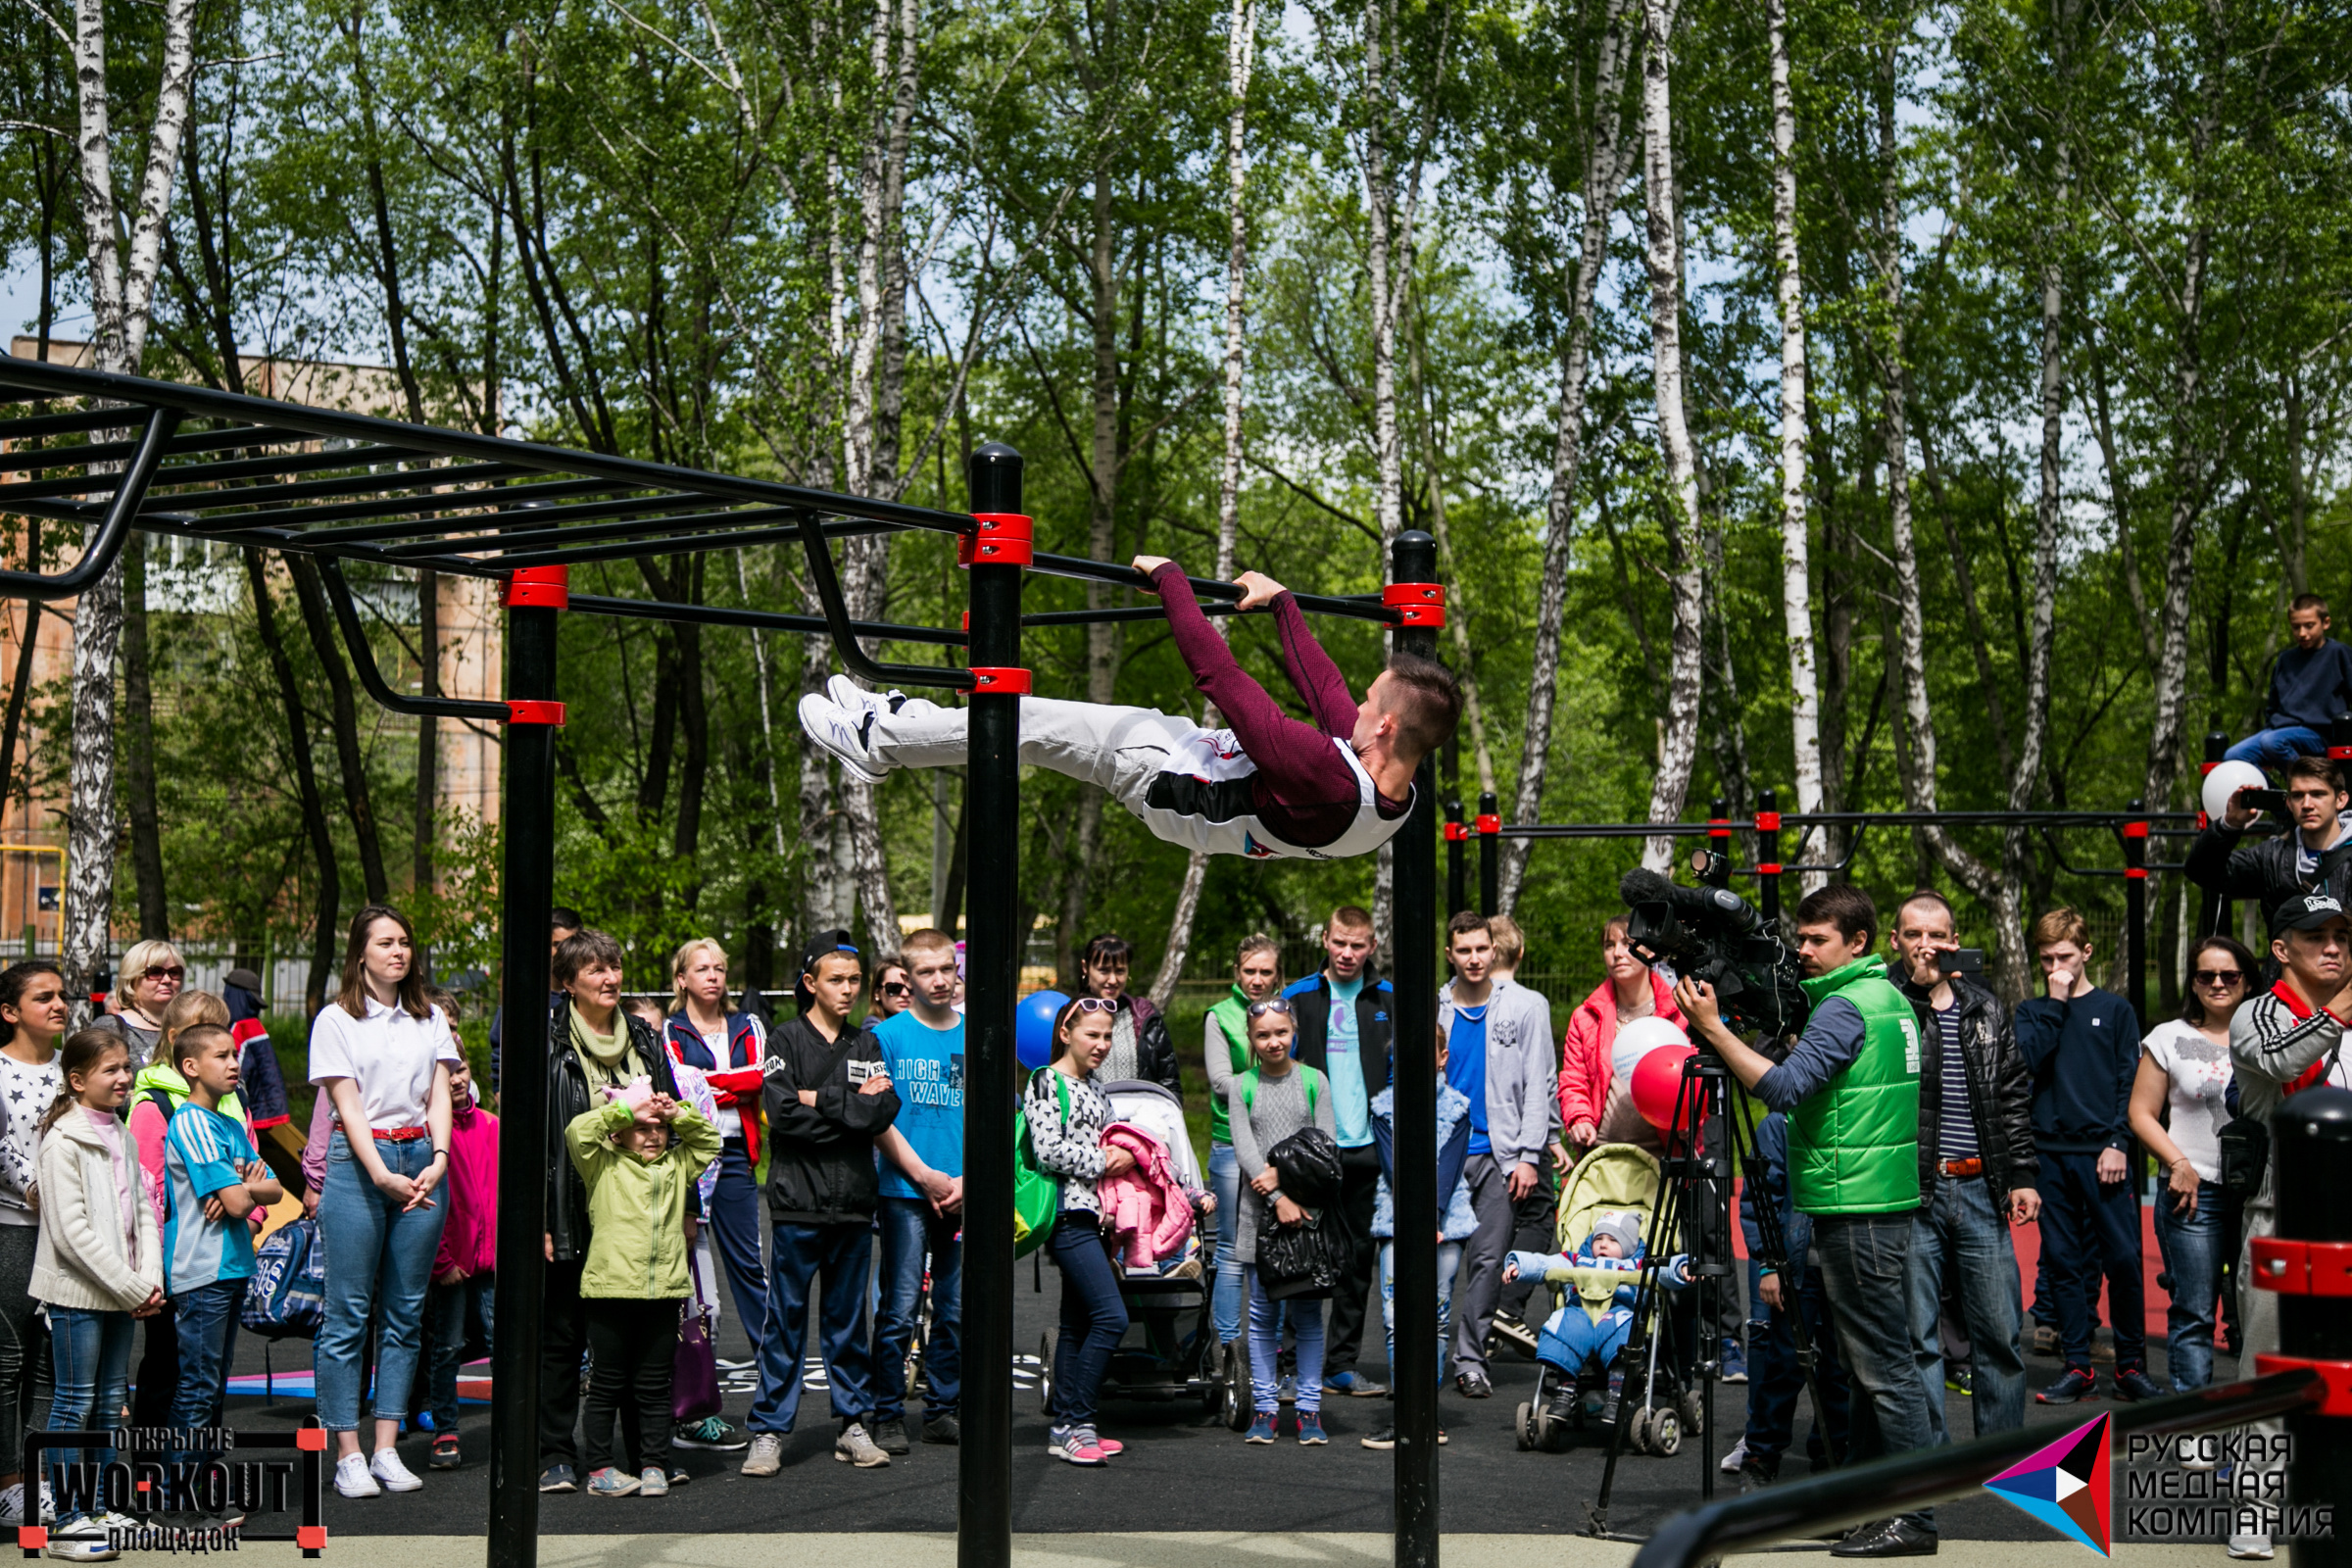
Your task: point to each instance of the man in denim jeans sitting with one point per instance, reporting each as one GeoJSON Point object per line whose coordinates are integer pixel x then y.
{"type": "Point", "coordinates": [1850, 1086]}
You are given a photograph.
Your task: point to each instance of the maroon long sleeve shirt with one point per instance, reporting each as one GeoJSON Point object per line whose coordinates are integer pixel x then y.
{"type": "Point", "coordinates": [1304, 788]}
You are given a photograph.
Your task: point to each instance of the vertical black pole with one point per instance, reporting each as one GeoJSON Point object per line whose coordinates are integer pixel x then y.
{"type": "Point", "coordinates": [1489, 836]}
{"type": "Point", "coordinates": [2213, 909]}
{"type": "Point", "coordinates": [1457, 871]}
{"type": "Point", "coordinates": [1768, 856]}
{"type": "Point", "coordinates": [527, 885]}
{"type": "Point", "coordinates": [1719, 842]}
{"type": "Point", "coordinates": [2135, 911]}
{"type": "Point", "coordinates": [991, 968]}
{"type": "Point", "coordinates": [2313, 1135]}
{"type": "Point", "coordinates": [1417, 1371]}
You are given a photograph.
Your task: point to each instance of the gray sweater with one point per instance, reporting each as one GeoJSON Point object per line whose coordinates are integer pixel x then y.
{"type": "Point", "coordinates": [1523, 1067]}
{"type": "Point", "coordinates": [1280, 1110]}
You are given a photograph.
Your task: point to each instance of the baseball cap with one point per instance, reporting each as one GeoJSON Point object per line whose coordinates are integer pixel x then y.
{"type": "Point", "coordinates": [2306, 911]}
{"type": "Point", "coordinates": [820, 947]}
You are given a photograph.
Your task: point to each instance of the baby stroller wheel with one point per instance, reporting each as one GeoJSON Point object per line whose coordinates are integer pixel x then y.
{"type": "Point", "coordinates": [1637, 1433]}
{"type": "Point", "coordinates": [1693, 1407]}
{"type": "Point", "coordinates": [1236, 1361]}
{"type": "Point", "coordinates": [1523, 1426]}
{"type": "Point", "coordinates": [1665, 1433]}
{"type": "Point", "coordinates": [1045, 1373]}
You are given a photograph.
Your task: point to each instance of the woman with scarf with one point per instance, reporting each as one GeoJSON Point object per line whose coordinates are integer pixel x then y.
{"type": "Point", "coordinates": [592, 1045]}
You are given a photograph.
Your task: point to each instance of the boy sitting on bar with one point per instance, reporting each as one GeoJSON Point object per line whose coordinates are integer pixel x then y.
{"type": "Point", "coordinates": [1267, 786]}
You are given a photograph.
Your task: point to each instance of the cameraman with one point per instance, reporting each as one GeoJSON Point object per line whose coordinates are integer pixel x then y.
{"type": "Point", "coordinates": [2316, 858]}
{"type": "Point", "coordinates": [1975, 1168]}
{"type": "Point", "coordinates": [1850, 1086]}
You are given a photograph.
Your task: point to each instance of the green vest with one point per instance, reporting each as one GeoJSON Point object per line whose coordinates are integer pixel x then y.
{"type": "Point", "coordinates": [1853, 1147]}
{"type": "Point", "coordinates": [1233, 1016]}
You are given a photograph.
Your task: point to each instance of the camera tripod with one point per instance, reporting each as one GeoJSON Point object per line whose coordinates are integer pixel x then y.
{"type": "Point", "coordinates": [1695, 1203]}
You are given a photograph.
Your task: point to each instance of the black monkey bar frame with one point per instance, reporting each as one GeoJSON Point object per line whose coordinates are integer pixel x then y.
{"type": "Point", "coordinates": [194, 464]}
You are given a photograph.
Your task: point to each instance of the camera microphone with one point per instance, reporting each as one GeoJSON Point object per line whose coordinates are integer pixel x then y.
{"type": "Point", "coordinates": [1641, 885]}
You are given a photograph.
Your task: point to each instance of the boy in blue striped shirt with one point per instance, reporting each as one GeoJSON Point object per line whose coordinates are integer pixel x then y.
{"type": "Point", "coordinates": [213, 1182]}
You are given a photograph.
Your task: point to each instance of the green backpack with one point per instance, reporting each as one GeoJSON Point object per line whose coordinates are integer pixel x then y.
{"type": "Point", "coordinates": [1036, 1194]}
{"type": "Point", "coordinates": [1310, 1082]}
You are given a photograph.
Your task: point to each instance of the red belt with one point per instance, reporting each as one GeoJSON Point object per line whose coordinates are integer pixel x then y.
{"type": "Point", "coordinates": [1954, 1169]}
{"type": "Point", "coordinates": [399, 1134]}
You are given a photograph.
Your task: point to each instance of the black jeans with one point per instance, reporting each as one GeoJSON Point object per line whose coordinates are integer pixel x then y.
{"type": "Point", "coordinates": [562, 1338]}
{"type": "Point", "coordinates": [1351, 1299]}
{"type": "Point", "coordinates": [1532, 1226]}
{"type": "Point", "coordinates": [631, 1348]}
{"type": "Point", "coordinates": [1865, 1264]}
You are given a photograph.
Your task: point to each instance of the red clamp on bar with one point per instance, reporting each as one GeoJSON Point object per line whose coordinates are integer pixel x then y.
{"type": "Point", "coordinates": [1489, 824]}
{"type": "Point", "coordinates": [311, 1538]}
{"type": "Point", "coordinates": [2136, 874]}
{"type": "Point", "coordinates": [309, 1440]}
{"type": "Point", "coordinates": [1005, 539]}
{"type": "Point", "coordinates": [2336, 1374]}
{"type": "Point", "coordinates": [2340, 754]}
{"type": "Point", "coordinates": [1769, 868]}
{"type": "Point", "coordinates": [1456, 832]}
{"type": "Point", "coordinates": [1001, 682]}
{"type": "Point", "coordinates": [1768, 821]}
{"type": "Point", "coordinates": [2303, 1269]}
{"type": "Point", "coordinates": [2135, 830]}
{"type": "Point", "coordinates": [1719, 827]}
{"type": "Point", "coordinates": [2203, 822]}
{"type": "Point", "coordinates": [1418, 603]}
{"type": "Point", "coordinates": [538, 588]}
{"type": "Point", "coordinates": [32, 1538]}
{"type": "Point", "coordinates": [534, 711]}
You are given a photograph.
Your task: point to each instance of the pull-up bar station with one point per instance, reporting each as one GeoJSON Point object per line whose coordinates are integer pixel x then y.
{"type": "Point", "coordinates": [193, 463]}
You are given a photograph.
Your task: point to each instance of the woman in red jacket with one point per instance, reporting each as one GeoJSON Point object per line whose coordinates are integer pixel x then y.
{"type": "Point", "coordinates": [1631, 991]}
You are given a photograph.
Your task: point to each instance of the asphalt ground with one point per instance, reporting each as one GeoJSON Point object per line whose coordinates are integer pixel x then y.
{"type": "Point", "coordinates": [1181, 1471]}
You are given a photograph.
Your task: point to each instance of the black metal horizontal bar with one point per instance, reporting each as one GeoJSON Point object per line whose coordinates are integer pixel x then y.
{"type": "Point", "coordinates": [33, 426]}
{"type": "Point", "coordinates": [825, 582]}
{"type": "Point", "coordinates": [1926, 1476]}
{"type": "Point", "coordinates": [763, 619]}
{"type": "Point", "coordinates": [363, 660]}
{"type": "Point", "coordinates": [57, 380]}
{"type": "Point", "coordinates": [488, 499]}
{"type": "Point", "coordinates": [1079, 566]}
{"type": "Point", "coordinates": [1859, 820]}
{"type": "Point", "coordinates": [172, 525]}
{"type": "Point", "coordinates": [553, 523]}
{"type": "Point", "coordinates": [1091, 618]}
{"type": "Point", "coordinates": [114, 526]}
{"type": "Point", "coordinates": [40, 458]}
{"type": "Point", "coordinates": [208, 473]}
{"type": "Point", "coordinates": [426, 484]}
{"type": "Point", "coordinates": [679, 545]}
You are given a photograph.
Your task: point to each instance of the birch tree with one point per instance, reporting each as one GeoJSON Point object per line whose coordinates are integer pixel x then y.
{"type": "Point", "coordinates": [1663, 255]}
{"type": "Point", "coordinates": [122, 286]}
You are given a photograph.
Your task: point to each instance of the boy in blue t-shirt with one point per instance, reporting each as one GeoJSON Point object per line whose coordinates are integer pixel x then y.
{"type": "Point", "coordinates": [213, 1182]}
{"type": "Point", "coordinates": [921, 1196]}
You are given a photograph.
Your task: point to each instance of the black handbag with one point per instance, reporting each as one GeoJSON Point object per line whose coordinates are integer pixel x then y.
{"type": "Point", "coordinates": [1300, 1262]}
{"type": "Point", "coordinates": [2245, 1155]}
{"type": "Point", "coordinates": [1307, 1164]}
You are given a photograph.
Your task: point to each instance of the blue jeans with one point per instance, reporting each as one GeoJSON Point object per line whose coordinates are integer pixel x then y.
{"type": "Point", "coordinates": [909, 1228]}
{"type": "Point", "coordinates": [1225, 1302]}
{"type": "Point", "coordinates": [379, 1259]}
{"type": "Point", "coordinates": [1450, 1262]}
{"type": "Point", "coordinates": [1865, 1263]}
{"type": "Point", "coordinates": [2194, 1248]}
{"type": "Point", "coordinates": [1093, 1318]}
{"type": "Point", "coordinates": [207, 1319]}
{"type": "Point", "coordinates": [1570, 1338]}
{"type": "Point", "coordinates": [91, 1354]}
{"type": "Point", "coordinates": [454, 1312]}
{"type": "Point", "coordinates": [1959, 1228]}
{"type": "Point", "coordinates": [736, 1216]}
{"type": "Point", "coordinates": [2090, 1227]}
{"type": "Point", "coordinates": [2274, 749]}
{"type": "Point", "coordinates": [1776, 1379]}
{"type": "Point", "coordinates": [1265, 1350]}
{"type": "Point", "coordinates": [843, 1254]}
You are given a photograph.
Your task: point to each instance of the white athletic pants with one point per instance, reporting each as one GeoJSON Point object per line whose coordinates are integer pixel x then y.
{"type": "Point", "coordinates": [1120, 750]}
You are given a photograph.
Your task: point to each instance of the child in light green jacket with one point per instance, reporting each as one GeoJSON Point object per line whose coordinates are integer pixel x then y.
{"type": "Point", "coordinates": [639, 1155]}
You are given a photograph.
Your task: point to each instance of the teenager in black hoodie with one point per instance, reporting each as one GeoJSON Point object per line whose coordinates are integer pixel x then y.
{"type": "Point", "coordinates": [827, 1096]}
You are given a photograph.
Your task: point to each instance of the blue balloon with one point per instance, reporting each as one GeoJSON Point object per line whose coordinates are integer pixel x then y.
{"type": "Point", "coordinates": [1033, 1027]}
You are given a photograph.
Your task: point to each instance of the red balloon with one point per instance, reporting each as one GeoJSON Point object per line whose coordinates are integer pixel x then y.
{"type": "Point", "coordinates": [1657, 1081]}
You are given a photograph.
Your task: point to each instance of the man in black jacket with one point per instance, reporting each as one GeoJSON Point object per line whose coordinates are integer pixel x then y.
{"type": "Point", "coordinates": [827, 1096]}
{"type": "Point", "coordinates": [2314, 857]}
{"type": "Point", "coordinates": [1975, 1170]}
{"type": "Point", "coordinates": [1341, 1013]}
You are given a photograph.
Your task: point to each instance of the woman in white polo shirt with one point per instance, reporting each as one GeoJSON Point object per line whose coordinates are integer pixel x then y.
{"type": "Point", "coordinates": [383, 1054]}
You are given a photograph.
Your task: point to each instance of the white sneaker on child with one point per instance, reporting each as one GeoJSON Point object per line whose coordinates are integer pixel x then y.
{"type": "Point", "coordinates": [352, 1479]}
{"type": "Point", "coordinates": [396, 1477]}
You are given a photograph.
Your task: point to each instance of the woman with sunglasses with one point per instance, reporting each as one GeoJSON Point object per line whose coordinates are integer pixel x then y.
{"type": "Point", "coordinates": [153, 973]}
{"type": "Point", "coordinates": [1274, 1098]}
{"type": "Point", "coordinates": [1067, 1113]}
{"type": "Point", "coordinates": [2184, 1068]}
{"type": "Point", "coordinates": [893, 992]}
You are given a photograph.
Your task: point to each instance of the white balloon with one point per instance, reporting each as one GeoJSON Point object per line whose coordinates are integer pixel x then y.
{"type": "Point", "coordinates": [2226, 781]}
{"type": "Point", "coordinates": [1638, 1038]}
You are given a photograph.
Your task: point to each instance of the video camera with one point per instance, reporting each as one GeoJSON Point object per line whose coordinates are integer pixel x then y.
{"type": "Point", "coordinates": [1714, 935]}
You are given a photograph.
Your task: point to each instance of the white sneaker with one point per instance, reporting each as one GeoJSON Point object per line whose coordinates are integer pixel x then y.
{"type": "Point", "coordinates": [856, 699]}
{"type": "Point", "coordinates": [840, 731]}
{"type": "Point", "coordinates": [1733, 1460]}
{"type": "Point", "coordinates": [396, 1477]}
{"type": "Point", "coordinates": [11, 1506]}
{"type": "Point", "coordinates": [2253, 1548]}
{"type": "Point", "coordinates": [352, 1479]}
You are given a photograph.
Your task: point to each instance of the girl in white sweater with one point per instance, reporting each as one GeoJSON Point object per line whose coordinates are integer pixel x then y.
{"type": "Point", "coordinates": [98, 1263]}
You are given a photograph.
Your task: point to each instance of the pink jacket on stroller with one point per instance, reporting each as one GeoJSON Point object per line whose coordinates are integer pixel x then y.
{"type": "Point", "coordinates": [1149, 1205]}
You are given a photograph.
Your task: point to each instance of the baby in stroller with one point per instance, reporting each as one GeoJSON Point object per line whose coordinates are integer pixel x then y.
{"type": "Point", "coordinates": [1577, 1340]}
